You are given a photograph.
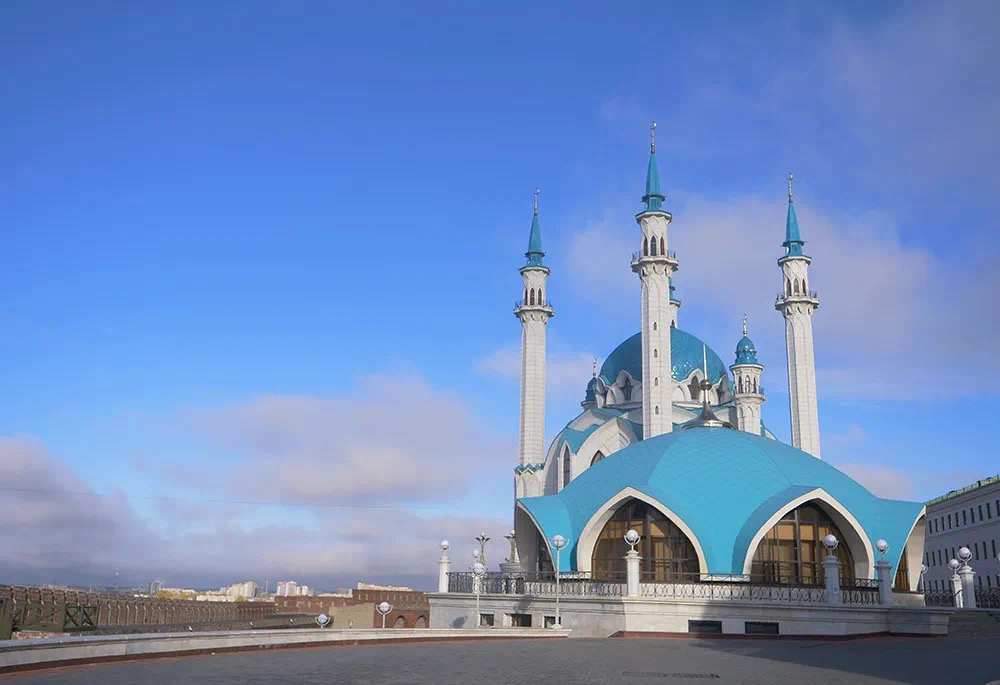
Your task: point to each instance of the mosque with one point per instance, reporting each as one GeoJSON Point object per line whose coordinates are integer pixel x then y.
{"type": "Point", "coordinates": [670, 443]}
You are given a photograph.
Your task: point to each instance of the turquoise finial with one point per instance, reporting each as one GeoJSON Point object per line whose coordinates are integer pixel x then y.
{"type": "Point", "coordinates": [653, 197]}
{"type": "Point", "coordinates": [534, 253]}
{"type": "Point", "coordinates": [793, 243]}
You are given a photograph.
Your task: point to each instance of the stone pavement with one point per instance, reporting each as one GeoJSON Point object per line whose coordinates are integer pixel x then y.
{"type": "Point", "coordinates": [930, 661]}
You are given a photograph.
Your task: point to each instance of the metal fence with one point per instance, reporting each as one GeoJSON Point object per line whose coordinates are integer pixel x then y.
{"type": "Point", "coordinates": [939, 598]}
{"type": "Point", "coordinates": [735, 587]}
{"type": "Point", "coordinates": [988, 597]}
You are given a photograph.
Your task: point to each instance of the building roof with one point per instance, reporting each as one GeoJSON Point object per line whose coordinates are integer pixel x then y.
{"type": "Point", "coordinates": [724, 484]}
{"type": "Point", "coordinates": [968, 488]}
{"type": "Point", "coordinates": [685, 357]}
{"type": "Point", "coordinates": [534, 253]}
{"type": "Point", "coordinates": [793, 242]}
{"type": "Point", "coordinates": [746, 353]}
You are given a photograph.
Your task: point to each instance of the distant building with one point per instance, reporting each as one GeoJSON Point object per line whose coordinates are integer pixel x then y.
{"type": "Point", "coordinates": [409, 607]}
{"type": "Point", "coordinates": [247, 589]}
{"type": "Point", "coordinates": [154, 586]}
{"type": "Point", "coordinates": [289, 588]}
{"type": "Point", "coordinates": [969, 517]}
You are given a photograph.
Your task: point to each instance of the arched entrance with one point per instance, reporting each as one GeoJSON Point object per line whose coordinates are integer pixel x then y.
{"type": "Point", "coordinates": [667, 553]}
{"type": "Point", "coordinates": [792, 551]}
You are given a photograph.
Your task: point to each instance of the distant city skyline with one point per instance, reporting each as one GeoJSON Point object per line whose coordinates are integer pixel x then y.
{"type": "Point", "coordinates": [255, 320]}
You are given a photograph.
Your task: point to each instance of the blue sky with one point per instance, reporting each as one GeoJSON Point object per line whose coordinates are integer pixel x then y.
{"type": "Point", "coordinates": [260, 257]}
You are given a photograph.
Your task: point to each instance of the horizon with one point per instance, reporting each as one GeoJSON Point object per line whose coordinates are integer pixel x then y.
{"type": "Point", "coordinates": [257, 316]}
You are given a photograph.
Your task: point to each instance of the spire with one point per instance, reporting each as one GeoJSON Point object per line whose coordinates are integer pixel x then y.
{"type": "Point", "coordinates": [746, 353]}
{"type": "Point", "coordinates": [707, 418]}
{"type": "Point", "coordinates": [793, 243]}
{"type": "Point", "coordinates": [653, 197]}
{"type": "Point", "coordinates": [534, 253]}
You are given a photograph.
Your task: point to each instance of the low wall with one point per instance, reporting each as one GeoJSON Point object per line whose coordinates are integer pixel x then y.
{"type": "Point", "coordinates": [16, 655]}
{"type": "Point", "coordinates": [606, 616]}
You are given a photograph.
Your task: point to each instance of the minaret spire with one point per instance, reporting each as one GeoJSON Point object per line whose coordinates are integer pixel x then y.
{"type": "Point", "coordinates": [797, 304]}
{"type": "Point", "coordinates": [654, 263]}
{"type": "Point", "coordinates": [748, 395]}
{"type": "Point", "coordinates": [744, 325]}
{"type": "Point", "coordinates": [534, 312]}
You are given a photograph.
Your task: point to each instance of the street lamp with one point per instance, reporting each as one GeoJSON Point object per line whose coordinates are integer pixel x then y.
{"type": "Point", "coordinates": [632, 539]}
{"type": "Point", "coordinates": [558, 542]}
{"type": "Point", "coordinates": [882, 546]}
{"type": "Point", "coordinates": [384, 608]}
{"type": "Point", "coordinates": [831, 542]}
{"type": "Point", "coordinates": [923, 570]}
{"type": "Point", "coordinates": [478, 569]}
{"type": "Point", "coordinates": [321, 620]}
{"type": "Point", "coordinates": [964, 553]}
{"type": "Point", "coordinates": [482, 540]}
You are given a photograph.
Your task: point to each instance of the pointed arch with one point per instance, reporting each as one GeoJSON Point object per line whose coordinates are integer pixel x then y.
{"type": "Point", "coordinates": [855, 536]}
{"type": "Point", "coordinates": [532, 295]}
{"type": "Point", "coordinates": [598, 456]}
{"type": "Point", "coordinates": [788, 286]}
{"type": "Point", "coordinates": [592, 530]}
{"type": "Point", "coordinates": [795, 286]}
{"type": "Point", "coordinates": [645, 247]}
{"type": "Point", "coordinates": [663, 247]}
{"type": "Point", "coordinates": [567, 466]}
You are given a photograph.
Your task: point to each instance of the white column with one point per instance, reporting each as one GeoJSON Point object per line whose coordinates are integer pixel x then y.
{"type": "Point", "coordinates": [968, 577]}
{"type": "Point", "coordinates": [654, 267]}
{"type": "Point", "coordinates": [632, 559]}
{"type": "Point", "coordinates": [444, 564]}
{"type": "Point", "coordinates": [884, 582]}
{"type": "Point", "coordinates": [534, 316]}
{"type": "Point", "coordinates": [831, 568]}
{"type": "Point", "coordinates": [797, 309]}
{"type": "Point", "coordinates": [956, 589]}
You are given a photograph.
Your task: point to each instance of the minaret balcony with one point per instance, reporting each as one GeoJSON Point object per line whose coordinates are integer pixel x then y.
{"type": "Point", "coordinates": [522, 306]}
{"type": "Point", "coordinates": [670, 258]}
{"type": "Point", "coordinates": [811, 297]}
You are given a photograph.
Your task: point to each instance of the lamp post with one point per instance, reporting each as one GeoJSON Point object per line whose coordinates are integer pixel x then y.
{"type": "Point", "coordinates": [321, 620]}
{"type": "Point", "coordinates": [923, 570]}
{"type": "Point", "coordinates": [884, 577]}
{"type": "Point", "coordinates": [956, 582]}
{"type": "Point", "coordinates": [478, 569]}
{"type": "Point", "coordinates": [558, 542]}
{"type": "Point", "coordinates": [482, 540]}
{"type": "Point", "coordinates": [831, 570]}
{"type": "Point", "coordinates": [384, 608]}
{"type": "Point", "coordinates": [968, 577]}
{"type": "Point", "coordinates": [444, 563]}
{"type": "Point", "coordinates": [632, 564]}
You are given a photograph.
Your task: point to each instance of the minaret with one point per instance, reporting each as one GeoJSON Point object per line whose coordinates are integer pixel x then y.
{"type": "Point", "coordinates": [655, 263]}
{"type": "Point", "coordinates": [747, 392]}
{"type": "Point", "coordinates": [534, 312]}
{"type": "Point", "coordinates": [797, 303]}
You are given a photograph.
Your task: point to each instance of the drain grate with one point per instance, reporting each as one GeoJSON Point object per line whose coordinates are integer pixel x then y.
{"type": "Point", "coordinates": [656, 674]}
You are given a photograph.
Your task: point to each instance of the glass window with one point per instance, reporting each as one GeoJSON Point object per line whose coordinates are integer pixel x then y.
{"type": "Point", "coordinates": [965, 521]}
{"type": "Point", "coordinates": [975, 546]}
{"type": "Point", "coordinates": [949, 521]}
{"type": "Point", "coordinates": [989, 512]}
{"type": "Point", "coordinates": [567, 467]}
{"type": "Point", "coordinates": [902, 580]}
{"type": "Point", "coordinates": [980, 507]}
{"type": "Point", "coordinates": [792, 550]}
{"type": "Point", "coordinates": [597, 457]}
{"type": "Point", "coordinates": [666, 551]}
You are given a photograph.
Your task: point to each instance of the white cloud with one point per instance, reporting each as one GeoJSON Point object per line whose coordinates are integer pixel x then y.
{"type": "Point", "coordinates": [890, 311]}
{"type": "Point", "coordinates": [394, 436]}
{"type": "Point", "coordinates": [883, 481]}
{"type": "Point", "coordinates": [565, 371]}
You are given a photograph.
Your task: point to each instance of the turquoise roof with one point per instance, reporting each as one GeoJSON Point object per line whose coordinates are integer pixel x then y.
{"type": "Point", "coordinates": [793, 243]}
{"type": "Point", "coordinates": [653, 197]}
{"type": "Point", "coordinates": [591, 395]}
{"type": "Point", "coordinates": [724, 484]}
{"type": "Point", "coordinates": [746, 353]}
{"type": "Point", "coordinates": [534, 253]}
{"type": "Point", "coordinates": [685, 357]}
{"type": "Point", "coordinates": [670, 281]}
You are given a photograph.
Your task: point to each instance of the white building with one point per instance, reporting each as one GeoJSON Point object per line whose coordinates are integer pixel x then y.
{"type": "Point", "coordinates": [248, 589]}
{"type": "Point", "coordinates": [969, 517]}
{"type": "Point", "coordinates": [289, 588]}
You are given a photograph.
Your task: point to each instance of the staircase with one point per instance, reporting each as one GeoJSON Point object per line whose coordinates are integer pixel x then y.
{"type": "Point", "coordinates": [974, 623]}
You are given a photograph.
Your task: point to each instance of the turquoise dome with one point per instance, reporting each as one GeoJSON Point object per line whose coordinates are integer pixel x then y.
{"type": "Point", "coordinates": [591, 395]}
{"type": "Point", "coordinates": [725, 485]}
{"type": "Point", "coordinates": [746, 353]}
{"type": "Point", "coordinates": [685, 357]}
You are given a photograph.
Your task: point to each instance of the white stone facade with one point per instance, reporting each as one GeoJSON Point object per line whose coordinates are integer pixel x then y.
{"type": "Point", "coordinates": [655, 265]}
{"type": "Point", "coordinates": [969, 518]}
{"type": "Point", "coordinates": [797, 304]}
{"type": "Point", "coordinates": [747, 396]}
{"type": "Point", "coordinates": [534, 313]}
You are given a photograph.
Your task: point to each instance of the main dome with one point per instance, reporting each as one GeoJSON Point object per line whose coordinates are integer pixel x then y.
{"type": "Point", "coordinates": [685, 357]}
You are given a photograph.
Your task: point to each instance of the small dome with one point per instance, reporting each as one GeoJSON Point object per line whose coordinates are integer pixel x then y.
{"type": "Point", "coordinates": [746, 353]}
{"type": "Point", "coordinates": [591, 395]}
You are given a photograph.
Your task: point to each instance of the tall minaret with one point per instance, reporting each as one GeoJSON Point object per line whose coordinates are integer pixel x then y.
{"type": "Point", "coordinates": [797, 303]}
{"type": "Point", "coordinates": [534, 312]}
{"type": "Point", "coordinates": [655, 263]}
{"type": "Point", "coordinates": [747, 392]}
{"type": "Point", "coordinates": [675, 304]}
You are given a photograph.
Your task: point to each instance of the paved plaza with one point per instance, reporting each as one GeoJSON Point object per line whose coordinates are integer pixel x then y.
{"type": "Point", "coordinates": [636, 660]}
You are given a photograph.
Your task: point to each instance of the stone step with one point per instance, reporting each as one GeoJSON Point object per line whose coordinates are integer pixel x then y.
{"type": "Point", "coordinates": [974, 623]}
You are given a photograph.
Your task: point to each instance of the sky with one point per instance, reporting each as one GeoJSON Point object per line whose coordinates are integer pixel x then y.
{"type": "Point", "coordinates": [260, 258]}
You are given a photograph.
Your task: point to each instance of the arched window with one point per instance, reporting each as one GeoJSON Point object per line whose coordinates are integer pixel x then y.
{"type": "Point", "coordinates": [666, 551]}
{"type": "Point", "coordinates": [695, 389]}
{"type": "Point", "coordinates": [541, 300]}
{"type": "Point", "coordinates": [532, 293]}
{"type": "Point", "coordinates": [652, 247]}
{"type": "Point", "coordinates": [627, 389]}
{"type": "Point", "coordinates": [567, 467]}
{"type": "Point", "coordinates": [400, 622]}
{"type": "Point", "coordinates": [755, 385]}
{"type": "Point", "coordinates": [654, 325]}
{"type": "Point", "coordinates": [421, 622]}
{"type": "Point", "coordinates": [656, 382]}
{"type": "Point", "coordinates": [792, 551]}
{"type": "Point", "coordinates": [655, 353]}
{"type": "Point", "coordinates": [597, 457]}
{"type": "Point", "coordinates": [656, 410]}
{"type": "Point", "coordinates": [663, 248]}
{"type": "Point", "coordinates": [795, 286]}
{"type": "Point", "coordinates": [788, 287]}
{"type": "Point", "coordinates": [739, 384]}
{"type": "Point", "coordinates": [645, 247]}
{"type": "Point", "coordinates": [526, 296]}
